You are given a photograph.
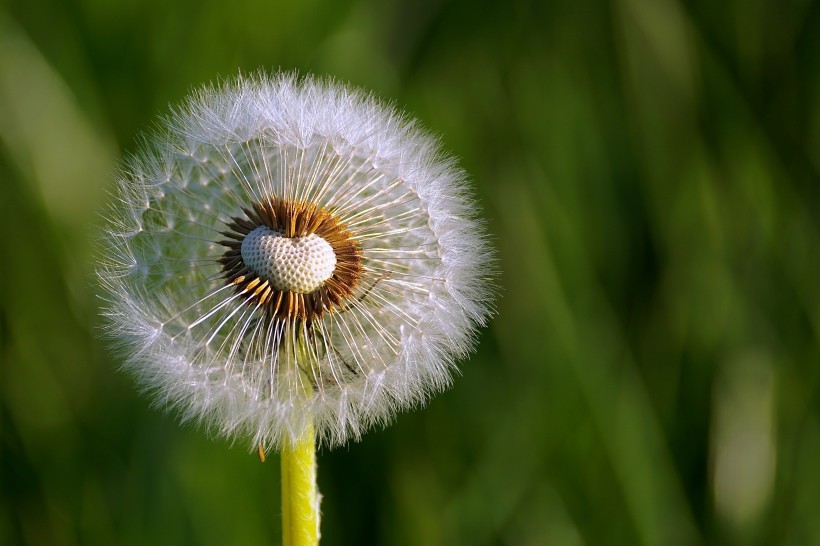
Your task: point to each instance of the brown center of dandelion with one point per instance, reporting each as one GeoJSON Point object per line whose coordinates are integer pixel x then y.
{"type": "Point", "coordinates": [293, 259]}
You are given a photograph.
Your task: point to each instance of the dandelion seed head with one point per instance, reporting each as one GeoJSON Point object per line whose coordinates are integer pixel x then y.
{"type": "Point", "coordinates": [288, 250]}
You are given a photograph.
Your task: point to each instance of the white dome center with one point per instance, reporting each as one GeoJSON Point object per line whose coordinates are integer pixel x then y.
{"type": "Point", "coordinates": [298, 264]}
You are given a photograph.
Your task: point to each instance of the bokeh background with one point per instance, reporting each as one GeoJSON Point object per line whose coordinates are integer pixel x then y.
{"type": "Point", "coordinates": [650, 171]}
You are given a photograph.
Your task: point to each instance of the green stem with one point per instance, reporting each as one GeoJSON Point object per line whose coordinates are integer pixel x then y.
{"type": "Point", "coordinates": [300, 497]}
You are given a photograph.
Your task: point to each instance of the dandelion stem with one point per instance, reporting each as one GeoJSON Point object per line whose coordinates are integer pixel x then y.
{"type": "Point", "coordinates": [300, 497]}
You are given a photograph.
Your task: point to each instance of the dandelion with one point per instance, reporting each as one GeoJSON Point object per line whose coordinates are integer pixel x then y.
{"type": "Point", "coordinates": [291, 259]}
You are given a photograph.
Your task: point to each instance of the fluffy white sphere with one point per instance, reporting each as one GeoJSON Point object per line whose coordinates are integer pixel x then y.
{"type": "Point", "coordinates": [289, 251]}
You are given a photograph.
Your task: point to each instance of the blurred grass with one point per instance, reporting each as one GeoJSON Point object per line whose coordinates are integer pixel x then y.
{"type": "Point", "coordinates": [650, 171]}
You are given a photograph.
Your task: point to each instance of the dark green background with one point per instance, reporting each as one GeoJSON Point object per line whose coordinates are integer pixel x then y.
{"type": "Point", "coordinates": [649, 170]}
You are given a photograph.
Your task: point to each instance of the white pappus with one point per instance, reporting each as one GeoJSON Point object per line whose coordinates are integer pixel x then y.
{"type": "Point", "coordinates": [288, 251]}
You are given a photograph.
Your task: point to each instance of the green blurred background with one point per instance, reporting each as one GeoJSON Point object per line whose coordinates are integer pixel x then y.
{"type": "Point", "coordinates": [649, 170]}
